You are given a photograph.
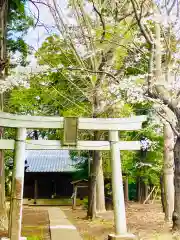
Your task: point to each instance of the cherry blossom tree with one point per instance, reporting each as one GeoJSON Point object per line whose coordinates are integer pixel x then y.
{"type": "Point", "coordinates": [159, 25]}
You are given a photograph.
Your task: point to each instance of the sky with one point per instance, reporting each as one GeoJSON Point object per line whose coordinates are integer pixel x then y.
{"type": "Point", "coordinates": [46, 26]}
{"type": "Point", "coordinates": [37, 35]}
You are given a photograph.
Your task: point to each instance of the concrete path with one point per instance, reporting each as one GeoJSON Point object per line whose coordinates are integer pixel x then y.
{"type": "Point", "coordinates": [60, 227]}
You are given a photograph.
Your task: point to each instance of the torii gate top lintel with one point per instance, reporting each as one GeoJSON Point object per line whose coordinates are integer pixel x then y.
{"type": "Point", "coordinates": [17, 121]}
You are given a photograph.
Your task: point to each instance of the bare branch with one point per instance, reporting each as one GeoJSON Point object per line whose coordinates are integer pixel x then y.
{"type": "Point", "coordinates": [43, 3]}
{"type": "Point", "coordinates": [162, 94]}
{"type": "Point", "coordinates": [171, 7]}
{"type": "Point", "coordinates": [150, 67]}
{"type": "Point", "coordinates": [144, 30]}
{"type": "Point", "coordinates": [170, 123]}
{"type": "Point", "coordinates": [141, 11]}
{"type": "Point", "coordinates": [102, 22]}
{"type": "Point", "coordinates": [125, 16]}
{"type": "Point", "coordinates": [91, 71]}
{"type": "Point", "coordinates": [57, 15]}
{"type": "Point", "coordinates": [38, 12]}
{"type": "Point", "coordinates": [177, 14]}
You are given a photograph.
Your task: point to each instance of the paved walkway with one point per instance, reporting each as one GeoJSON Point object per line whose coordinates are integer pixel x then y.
{"type": "Point", "coordinates": [60, 226]}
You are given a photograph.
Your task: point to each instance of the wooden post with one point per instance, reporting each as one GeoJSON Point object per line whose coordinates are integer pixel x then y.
{"type": "Point", "coordinates": [118, 192]}
{"type": "Point", "coordinates": [18, 182]}
{"type": "Point", "coordinates": [35, 191]}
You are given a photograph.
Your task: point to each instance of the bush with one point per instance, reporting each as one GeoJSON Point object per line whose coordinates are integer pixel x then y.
{"type": "Point", "coordinates": [85, 203]}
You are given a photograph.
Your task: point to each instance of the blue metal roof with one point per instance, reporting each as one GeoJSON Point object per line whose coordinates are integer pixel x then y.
{"type": "Point", "coordinates": [49, 161]}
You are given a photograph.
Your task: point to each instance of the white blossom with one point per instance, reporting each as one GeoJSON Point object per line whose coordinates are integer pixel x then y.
{"type": "Point", "coordinates": [37, 97]}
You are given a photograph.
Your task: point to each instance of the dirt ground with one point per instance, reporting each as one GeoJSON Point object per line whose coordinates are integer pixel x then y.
{"type": "Point", "coordinates": [145, 221]}
{"type": "Point", "coordinates": [35, 223]}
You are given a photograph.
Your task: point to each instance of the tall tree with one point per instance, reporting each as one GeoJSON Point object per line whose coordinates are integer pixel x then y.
{"type": "Point", "coordinates": [168, 137]}
{"type": "Point", "coordinates": [162, 89]}
{"type": "Point", "coordinates": [96, 45]}
{"type": "Point", "coordinates": [3, 63]}
{"type": "Point", "coordinates": [10, 14]}
{"type": "Point", "coordinates": [100, 191]}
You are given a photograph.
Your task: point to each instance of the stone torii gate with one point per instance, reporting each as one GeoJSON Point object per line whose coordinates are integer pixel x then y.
{"type": "Point", "coordinates": [20, 144]}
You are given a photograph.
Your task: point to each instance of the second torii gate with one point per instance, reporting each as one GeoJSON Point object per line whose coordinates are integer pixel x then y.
{"type": "Point", "coordinates": [20, 144]}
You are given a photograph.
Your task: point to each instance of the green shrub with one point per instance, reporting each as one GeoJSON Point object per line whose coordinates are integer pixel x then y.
{"type": "Point", "coordinates": [85, 203]}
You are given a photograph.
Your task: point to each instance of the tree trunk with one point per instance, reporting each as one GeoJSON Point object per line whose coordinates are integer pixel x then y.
{"type": "Point", "coordinates": [168, 143]}
{"type": "Point", "coordinates": [176, 213]}
{"type": "Point", "coordinates": [126, 190]}
{"type": "Point", "coordinates": [168, 171]}
{"type": "Point", "coordinates": [92, 185]}
{"type": "Point", "coordinates": [138, 189]}
{"type": "Point", "coordinates": [3, 57]}
{"type": "Point", "coordinates": [96, 165]}
{"type": "Point", "coordinates": [100, 196]}
{"type": "Point", "coordinates": [96, 156]}
{"type": "Point", "coordinates": [142, 192]}
{"type": "Point", "coordinates": [162, 192]}
{"type": "Point", "coordinates": [150, 189]}
{"type": "Point", "coordinates": [145, 191]}
{"type": "Point", "coordinates": [3, 213]}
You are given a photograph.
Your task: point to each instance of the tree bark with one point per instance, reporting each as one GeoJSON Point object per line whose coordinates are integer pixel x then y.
{"type": "Point", "coordinates": [162, 192]}
{"type": "Point", "coordinates": [126, 190]}
{"type": "Point", "coordinates": [168, 136]}
{"type": "Point", "coordinates": [92, 185]}
{"type": "Point", "coordinates": [168, 171]}
{"type": "Point", "coordinates": [100, 195]}
{"type": "Point", "coordinates": [96, 163]}
{"type": "Point", "coordinates": [138, 191]}
{"type": "Point", "coordinates": [176, 213]}
{"type": "Point", "coordinates": [142, 191]}
{"type": "Point", "coordinates": [145, 195]}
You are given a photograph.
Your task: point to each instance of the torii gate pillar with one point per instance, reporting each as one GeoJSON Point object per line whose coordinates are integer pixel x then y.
{"type": "Point", "coordinates": [118, 193]}
{"type": "Point", "coordinates": [17, 186]}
